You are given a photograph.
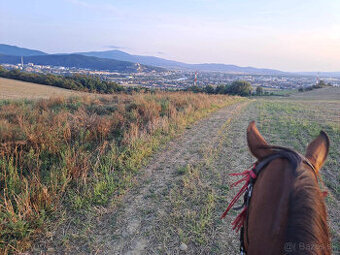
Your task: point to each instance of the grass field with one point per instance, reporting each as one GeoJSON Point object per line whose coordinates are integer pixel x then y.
{"type": "Point", "coordinates": [78, 167]}
{"type": "Point", "coordinates": [14, 89]}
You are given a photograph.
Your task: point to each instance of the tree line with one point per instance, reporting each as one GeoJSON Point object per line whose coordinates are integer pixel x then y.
{"type": "Point", "coordinates": [241, 88]}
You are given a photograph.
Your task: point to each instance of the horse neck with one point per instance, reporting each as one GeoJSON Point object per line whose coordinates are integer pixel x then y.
{"type": "Point", "coordinates": [307, 223]}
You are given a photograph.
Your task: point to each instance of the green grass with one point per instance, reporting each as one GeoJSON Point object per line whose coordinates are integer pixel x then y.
{"type": "Point", "coordinates": [192, 204]}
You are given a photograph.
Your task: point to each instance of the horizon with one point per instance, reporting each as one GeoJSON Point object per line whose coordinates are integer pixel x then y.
{"type": "Point", "coordinates": [78, 53]}
{"type": "Point", "coordinates": [305, 35]}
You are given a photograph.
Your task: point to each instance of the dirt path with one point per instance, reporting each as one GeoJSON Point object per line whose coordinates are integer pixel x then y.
{"type": "Point", "coordinates": [132, 229]}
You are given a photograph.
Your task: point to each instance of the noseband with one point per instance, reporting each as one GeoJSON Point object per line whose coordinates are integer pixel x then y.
{"type": "Point", "coordinates": [250, 177]}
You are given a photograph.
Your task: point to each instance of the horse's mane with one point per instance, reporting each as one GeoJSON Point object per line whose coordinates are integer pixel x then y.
{"type": "Point", "coordinates": [307, 218]}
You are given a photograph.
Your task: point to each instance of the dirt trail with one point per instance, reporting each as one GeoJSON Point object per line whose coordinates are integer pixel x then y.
{"type": "Point", "coordinates": [130, 229]}
{"type": "Point", "coordinates": [233, 157]}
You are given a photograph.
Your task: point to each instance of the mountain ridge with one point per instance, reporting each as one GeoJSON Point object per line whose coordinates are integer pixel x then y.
{"type": "Point", "coordinates": [171, 64]}
{"type": "Point", "coordinates": [78, 61]}
{"type": "Point", "coordinates": [12, 50]}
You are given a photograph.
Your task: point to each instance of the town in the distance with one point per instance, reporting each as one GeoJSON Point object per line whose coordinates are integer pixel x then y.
{"type": "Point", "coordinates": [153, 72]}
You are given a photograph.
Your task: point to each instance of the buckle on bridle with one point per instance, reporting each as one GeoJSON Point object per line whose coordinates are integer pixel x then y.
{"type": "Point", "coordinates": [242, 252]}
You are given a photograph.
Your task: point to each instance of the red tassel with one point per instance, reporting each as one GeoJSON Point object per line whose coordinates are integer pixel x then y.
{"type": "Point", "coordinates": [239, 221]}
{"type": "Point", "coordinates": [325, 193]}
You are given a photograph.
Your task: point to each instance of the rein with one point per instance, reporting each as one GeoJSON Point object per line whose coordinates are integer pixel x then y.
{"type": "Point", "coordinates": [249, 179]}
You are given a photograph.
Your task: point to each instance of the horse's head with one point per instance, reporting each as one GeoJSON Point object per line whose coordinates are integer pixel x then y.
{"type": "Point", "coordinates": [284, 210]}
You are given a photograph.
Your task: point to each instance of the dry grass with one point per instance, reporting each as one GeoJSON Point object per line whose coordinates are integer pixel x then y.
{"type": "Point", "coordinates": [77, 152]}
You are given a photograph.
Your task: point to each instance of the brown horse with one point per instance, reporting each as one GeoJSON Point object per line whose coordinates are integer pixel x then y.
{"type": "Point", "coordinates": [284, 211]}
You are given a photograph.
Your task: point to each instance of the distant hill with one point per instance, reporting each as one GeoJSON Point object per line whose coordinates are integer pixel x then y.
{"type": "Point", "coordinates": [235, 69]}
{"type": "Point", "coordinates": [321, 74]}
{"type": "Point", "coordinates": [78, 61]}
{"type": "Point", "coordinates": [17, 51]}
{"type": "Point", "coordinates": [155, 61]}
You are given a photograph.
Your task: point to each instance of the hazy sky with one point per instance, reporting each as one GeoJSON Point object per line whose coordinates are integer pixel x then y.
{"type": "Point", "coordinates": [299, 35]}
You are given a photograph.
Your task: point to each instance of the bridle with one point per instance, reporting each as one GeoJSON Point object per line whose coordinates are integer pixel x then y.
{"type": "Point", "coordinates": [250, 177]}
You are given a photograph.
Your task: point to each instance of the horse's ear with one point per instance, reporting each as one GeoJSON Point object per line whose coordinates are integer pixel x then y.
{"type": "Point", "coordinates": [317, 150]}
{"type": "Point", "coordinates": [256, 143]}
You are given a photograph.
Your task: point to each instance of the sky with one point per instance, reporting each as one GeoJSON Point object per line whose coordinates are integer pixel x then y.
{"type": "Point", "coordinates": [299, 35]}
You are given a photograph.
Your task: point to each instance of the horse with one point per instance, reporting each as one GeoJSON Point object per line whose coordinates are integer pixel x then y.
{"type": "Point", "coordinates": [284, 209]}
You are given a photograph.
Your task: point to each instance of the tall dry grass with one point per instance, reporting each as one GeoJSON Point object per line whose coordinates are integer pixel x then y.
{"type": "Point", "coordinates": [77, 152]}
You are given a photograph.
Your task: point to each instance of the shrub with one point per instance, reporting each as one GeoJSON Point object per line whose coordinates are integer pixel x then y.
{"type": "Point", "coordinates": [259, 91]}
{"type": "Point", "coordinates": [240, 88]}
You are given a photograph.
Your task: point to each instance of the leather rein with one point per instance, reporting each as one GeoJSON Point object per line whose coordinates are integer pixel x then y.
{"type": "Point", "coordinates": [250, 177]}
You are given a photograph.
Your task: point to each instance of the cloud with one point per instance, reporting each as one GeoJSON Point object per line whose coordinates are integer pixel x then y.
{"type": "Point", "coordinates": [114, 47]}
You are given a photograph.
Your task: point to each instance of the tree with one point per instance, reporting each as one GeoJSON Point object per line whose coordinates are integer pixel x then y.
{"type": "Point", "coordinates": [2, 70]}
{"type": "Point", "coordinates": [195, 89]}
{"type": "Point", "coordinates": [220, 89]}
{"type": "Point", "coordinates": [241, 88]}
{"type": "Point", "coordinates": [321, 84]}
{"type": "Point", "coordinates": [259, 90]}
{"type": "Point", "coordinates": [209, 89]}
